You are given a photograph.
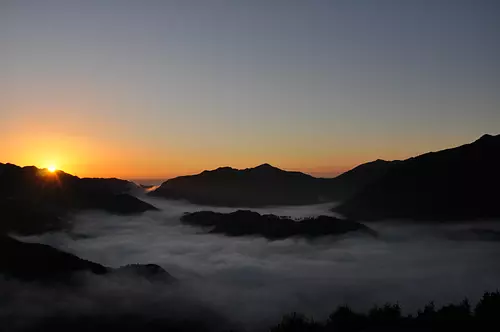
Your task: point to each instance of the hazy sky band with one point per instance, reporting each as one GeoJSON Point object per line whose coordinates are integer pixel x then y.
{"type": "Point", "coordinates": [159, 88]}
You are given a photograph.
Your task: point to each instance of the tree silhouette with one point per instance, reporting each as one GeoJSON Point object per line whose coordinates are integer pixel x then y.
{"type": "Point", "coordinates": [450, 317]}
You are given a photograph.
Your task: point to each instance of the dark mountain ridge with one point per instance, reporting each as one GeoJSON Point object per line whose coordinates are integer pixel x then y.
{"type": "Point", "coordinates": [349, 183]}
{"type": "Point", "coordinates": [226, 186]}
{"type": "Point", "coordinates": [457, 183]}
{"type": "Point", "coordinates": [272, 227]}
{"type": "Point", "coordinates": [266, 185]}
{"type": "Point", "coordinates": [34, 200]}
{"type": "Point", "coordinates": [453, 184]}
{"type": "Point", "coordinates": [40, 262]}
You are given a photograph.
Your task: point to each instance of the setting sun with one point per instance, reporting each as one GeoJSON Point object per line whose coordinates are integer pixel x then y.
{"type": "Point", "coordinates": [52, 168]}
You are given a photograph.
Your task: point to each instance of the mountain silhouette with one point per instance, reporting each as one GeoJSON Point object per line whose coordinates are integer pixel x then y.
{"type": "Point", "coordinates": [33, 261]}
{"type": "Point", "coordinates": [389, 317]}
{"type": "Point", "coordinates": [351, 182]}
{"type": "Point", "coordinates": [266, 185]}
{"type": "Point", "coordinates": [251, 187]}
{"type": "Point", "coordinates": [249, 223]}
{"type": "Point", "coordinates": [40, 262]}
{"type": "Point", "coordinates": [34, 200]}
{"type": "Point", "coordinates": [454, 184]}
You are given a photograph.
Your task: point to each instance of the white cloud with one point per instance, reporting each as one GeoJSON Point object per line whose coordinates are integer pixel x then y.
{"type": "Point", "coordinates": [255, 281]}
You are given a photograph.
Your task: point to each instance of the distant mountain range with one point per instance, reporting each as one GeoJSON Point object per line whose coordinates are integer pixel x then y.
{"type": "Point", "coordinates": [225, 186]}
{"type": "Point", "coordinates": [266, 185]}
{"type": "Point", "coordinates": [453, 184]}
{"type": "Point", "coordinates": [458, 183]}
{"type": "Point", "coordinates": [35, 200]}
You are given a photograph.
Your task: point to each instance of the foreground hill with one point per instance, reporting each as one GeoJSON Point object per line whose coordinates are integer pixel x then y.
{"type": "Point", "coordinates": [453, 184]}
{"type": "Point", "coordinates": [266, 185]}
{"type": "Point", "coordinates": [34, 200]}
{"type": "Point", "coordinates": [39, 262]}
{"type": "Point", "coordinates": [389, 317]}
{"type": "Point", "coordinates": [249, 223]}
{"type": "Point", "coordinates": [41, 269]}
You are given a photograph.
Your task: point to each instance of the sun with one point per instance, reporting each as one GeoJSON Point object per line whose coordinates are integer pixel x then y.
{"type": "Point", "coordinates": [52, 168]}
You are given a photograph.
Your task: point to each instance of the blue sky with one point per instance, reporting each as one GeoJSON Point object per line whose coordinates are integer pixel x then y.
{"type": "Point", "coordinates": [160, 88]}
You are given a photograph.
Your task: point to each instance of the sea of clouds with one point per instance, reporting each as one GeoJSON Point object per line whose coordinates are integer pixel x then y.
{"type": "Point", "coordinates": [251, 282]}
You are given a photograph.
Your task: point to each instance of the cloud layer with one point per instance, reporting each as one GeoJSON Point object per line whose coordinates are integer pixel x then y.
{"type": "Point", "coordinates": [252, 281]}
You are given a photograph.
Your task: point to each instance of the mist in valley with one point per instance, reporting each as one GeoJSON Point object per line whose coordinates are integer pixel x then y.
{"type": "Point", "coordinates": [250, 282]}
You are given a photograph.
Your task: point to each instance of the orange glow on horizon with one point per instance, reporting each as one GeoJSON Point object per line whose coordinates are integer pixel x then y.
{"type": "Point", "coordinates": [93, 156]}
{"type": "Point", "coordinates": [87, 153]}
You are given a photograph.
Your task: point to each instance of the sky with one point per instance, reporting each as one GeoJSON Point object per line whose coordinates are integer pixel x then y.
{"type": "Point", "coordinates": [151, 88]}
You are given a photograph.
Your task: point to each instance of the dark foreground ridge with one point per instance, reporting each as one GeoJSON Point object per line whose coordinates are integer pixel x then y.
{"type": "Point", "coordinates": [451, 317]}
{"type": "Point", "coordinates": [455, 184]}
{"type": "Point", "coordinates": [40, 262]}
{"type": "Point", "coordinates": [35, 200]}
{"type": "Point", "coordinates": [46, 265]}
{"type": "Point", "coordinates": [244, 223]}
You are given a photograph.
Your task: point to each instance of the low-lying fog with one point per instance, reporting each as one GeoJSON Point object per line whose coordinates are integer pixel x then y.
{"type": "Point", "coordinates": [254, 282]}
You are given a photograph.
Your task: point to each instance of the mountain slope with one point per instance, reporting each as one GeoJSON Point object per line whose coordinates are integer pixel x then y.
{"type": "Point", "coordinates": [268, 185]}
{"type": "Point", "coordinates": [33, 261]}
{"type": "Point", "coordinates": [259, 186]}
{"type": "Point", "coordinates": [34, 200]}
{"type": "Point", "coordinates": [351, 182]}
{"type": "Point", "coordinates": [457, 183]}
{"type": "Point", "coordinates": [40, 262]}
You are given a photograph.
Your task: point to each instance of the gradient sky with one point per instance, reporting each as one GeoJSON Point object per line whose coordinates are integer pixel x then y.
{"type": "Point", "coordinates": [160, 88]}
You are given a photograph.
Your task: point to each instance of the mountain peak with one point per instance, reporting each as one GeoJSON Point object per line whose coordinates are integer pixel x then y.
{"type": "Point", "coordinates": [486, 137]}
{"type": "Point", "coordinates": [224, 168]}
{"type": "Point", "coordinates": [266, 166]}
{"type": "Point", "coordinates": [263, 185]}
